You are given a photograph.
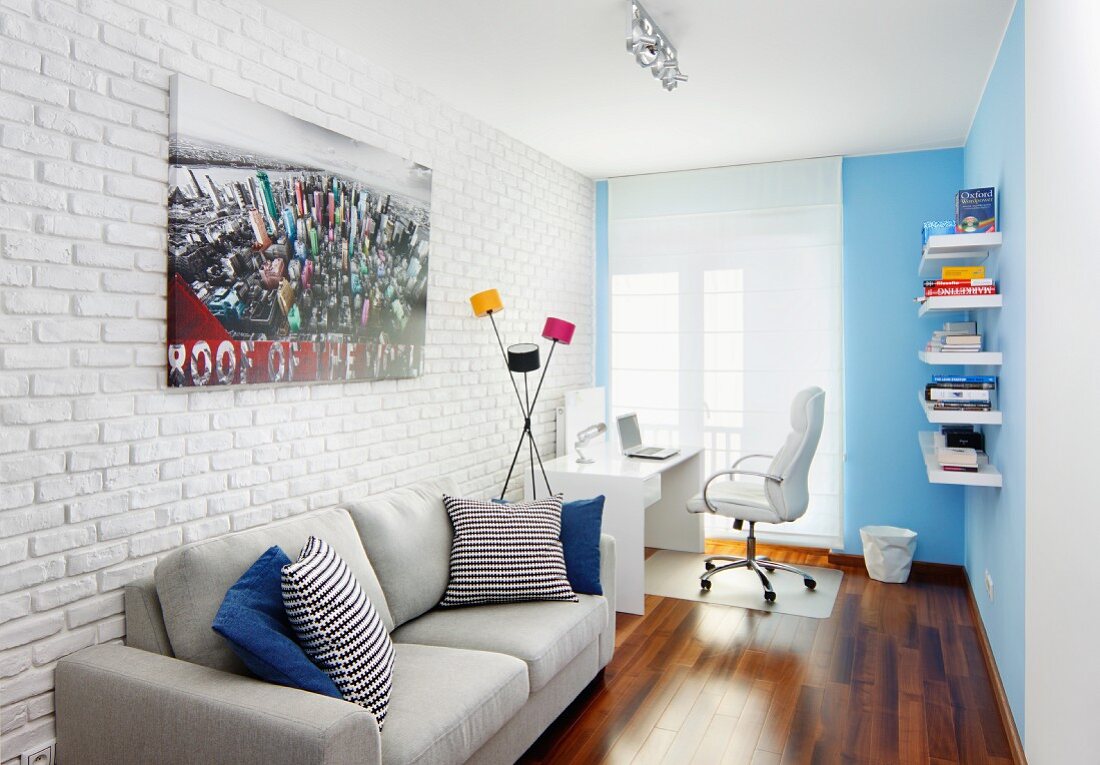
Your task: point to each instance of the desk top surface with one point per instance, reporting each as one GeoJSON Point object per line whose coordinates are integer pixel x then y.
{"type": "Point", "coordinates": [608, 461]}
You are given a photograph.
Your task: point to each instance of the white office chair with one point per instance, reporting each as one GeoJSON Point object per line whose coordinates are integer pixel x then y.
{"type": "Point", "coordinates": [782, 497]}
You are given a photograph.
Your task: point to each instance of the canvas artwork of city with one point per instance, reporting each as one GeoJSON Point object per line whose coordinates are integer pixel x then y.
{"type": "Point", "coordinates": [295, 254]}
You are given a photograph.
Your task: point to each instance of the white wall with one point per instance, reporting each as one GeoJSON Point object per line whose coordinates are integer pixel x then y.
{"type": "Point", "coordinates": [1063, 415]}
{"type": "Point", "coordinates": [102, 468]}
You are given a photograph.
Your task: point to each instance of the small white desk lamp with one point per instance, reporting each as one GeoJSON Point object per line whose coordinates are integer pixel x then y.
{"type": "Point", "coordinates": [584, 437]}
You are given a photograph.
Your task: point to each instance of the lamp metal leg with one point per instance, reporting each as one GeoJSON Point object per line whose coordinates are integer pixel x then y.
{"type": "Point", "coordinates": [543, 469]}
{"type": "Point", "coordinates": [545, 368]}
{"type": "Point", "coordinates": [513, 467]}
{"type": "Point", "coordinates": [530, 437]}
{"type": "Point", "coordinates": [504, 354]}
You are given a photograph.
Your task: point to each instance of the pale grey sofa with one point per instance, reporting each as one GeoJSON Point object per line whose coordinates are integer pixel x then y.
{"type": "Point", "coordinates": [475, 684]}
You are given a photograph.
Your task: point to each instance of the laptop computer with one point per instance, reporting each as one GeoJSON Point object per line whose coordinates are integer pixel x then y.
{"type": "Point", "coordinates": [630, 436]}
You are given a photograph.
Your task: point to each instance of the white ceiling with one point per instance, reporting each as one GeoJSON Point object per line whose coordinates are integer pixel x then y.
{"type": "Point", "coordinates": [770, 79]}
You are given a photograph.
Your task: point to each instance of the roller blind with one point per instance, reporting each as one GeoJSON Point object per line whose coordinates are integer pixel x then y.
{"type": "Point", "coordinates": [725, 301]}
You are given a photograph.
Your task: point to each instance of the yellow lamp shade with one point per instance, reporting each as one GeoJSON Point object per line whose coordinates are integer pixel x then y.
{"type": "Point", "coordinates": [486, 302]}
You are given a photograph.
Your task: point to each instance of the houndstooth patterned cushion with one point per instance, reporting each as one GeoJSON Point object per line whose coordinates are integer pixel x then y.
{"type": "Point", "coordinates": [338, 627]}
{"type": "Point", "coordinates": [505, 553]}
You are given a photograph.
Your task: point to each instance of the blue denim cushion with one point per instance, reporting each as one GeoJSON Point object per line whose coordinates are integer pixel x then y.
{"type": "Point", "coordinates": [253, 620]}
{"type": "Point", "coordinates": [580, 538]}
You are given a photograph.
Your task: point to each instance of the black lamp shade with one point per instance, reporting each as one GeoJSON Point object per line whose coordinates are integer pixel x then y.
{"type": "Point", "coordinates": [523, 357]}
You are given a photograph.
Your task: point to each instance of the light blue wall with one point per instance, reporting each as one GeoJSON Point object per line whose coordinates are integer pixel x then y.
{"type": "Point", "coordinates": [886, 198]}
{"type": "Point", "coordinates": [603, 289]}
{"type": "Point", "coordinates": [995, 524]}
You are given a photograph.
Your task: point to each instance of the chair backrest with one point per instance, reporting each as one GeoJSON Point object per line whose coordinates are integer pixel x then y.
{"type": "Point", "coordinates": [791, 496]}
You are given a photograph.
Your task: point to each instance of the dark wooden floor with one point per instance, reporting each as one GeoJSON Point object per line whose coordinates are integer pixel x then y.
{"type": "Point", "coordinates": [895, 675]}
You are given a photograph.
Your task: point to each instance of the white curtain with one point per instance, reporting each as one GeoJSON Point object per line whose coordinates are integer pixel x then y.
{"type": "Point", "coordinates": [725, 301]}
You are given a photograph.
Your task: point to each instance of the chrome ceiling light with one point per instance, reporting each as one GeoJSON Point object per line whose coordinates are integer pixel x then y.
{"type": "Point", "coordinates": [651, 47]}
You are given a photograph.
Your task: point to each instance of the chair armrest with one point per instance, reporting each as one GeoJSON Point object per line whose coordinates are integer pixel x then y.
{"type": "Point", "coordinates": [750, 457]}
{"type": "Point", "coordinates": [124, 706]}
{"type": "Point", "coordinates": [607, 582]}
{"type": "Point", "coordinates": [732, 473]}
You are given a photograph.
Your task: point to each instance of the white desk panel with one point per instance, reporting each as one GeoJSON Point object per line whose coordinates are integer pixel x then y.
{"type": "Point", "coordinates": [645, 506]}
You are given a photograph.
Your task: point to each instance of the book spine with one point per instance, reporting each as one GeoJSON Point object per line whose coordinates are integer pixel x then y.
{"type": "Point", "coordinates": [958, 283]}
{"type": "Point", "coordinates": [960, 385]}
{"type": "Point", "coordinates": [948, 394]}
{"type": "Point", "coordinates": [948, 291]}
{"type": "Point", "coordinates": [964, 378]}
{"type": "Point", "coordinates": [962, 406]}
{"type": "Point", "coordinates": [962, 272]}
{"type": "Point", "coordinates": [958, 469]}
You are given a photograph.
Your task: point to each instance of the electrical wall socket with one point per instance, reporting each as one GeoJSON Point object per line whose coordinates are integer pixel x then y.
{"type": "Point", "coordinates": [989, 585]}
{"type": "Point", "coordinates": [43, 755]}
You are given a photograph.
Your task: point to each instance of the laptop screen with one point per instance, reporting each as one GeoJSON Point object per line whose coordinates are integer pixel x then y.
{"type": "Point", "coordinates": [629, 434]}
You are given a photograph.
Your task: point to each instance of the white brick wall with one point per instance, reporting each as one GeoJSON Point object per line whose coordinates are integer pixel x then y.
{"type": "Point", "coordinates": [102, 468]}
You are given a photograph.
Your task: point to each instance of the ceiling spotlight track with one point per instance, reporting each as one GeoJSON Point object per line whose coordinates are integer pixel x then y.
{"type": "Point", "coordinates": [651, 47]}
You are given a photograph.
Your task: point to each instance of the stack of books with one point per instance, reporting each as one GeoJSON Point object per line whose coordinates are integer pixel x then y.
{"type": "Point", "coordinates": [956, 459]}
{"type": "Point", "coordinates": [956, 337]}
{"type": "Point", "coordinates": [961, 393]}
{"type": "Point", "coordinates": [959, 281]}
{"type": "Point", "coordinates": [959, 448]}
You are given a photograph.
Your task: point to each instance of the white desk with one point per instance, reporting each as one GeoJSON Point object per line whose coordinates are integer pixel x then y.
{"type": "Point", "coordinates": [646, 506]}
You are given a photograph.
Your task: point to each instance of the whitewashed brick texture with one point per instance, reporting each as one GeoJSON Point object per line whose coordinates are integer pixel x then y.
{"type": "Point", "coordinates": [102, 467]}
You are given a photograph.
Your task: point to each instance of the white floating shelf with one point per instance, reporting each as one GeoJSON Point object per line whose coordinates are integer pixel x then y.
{"type": "Point", "coordinates": [976, 359]}
{"type": "Point", "coordinates": [987, 475]}
{"type": "Point", "coordinates": [956, 417]}
{"type": "Point", "coordinates": [956, 250]}
{"type": "Point", "coordinates": [958, 303]}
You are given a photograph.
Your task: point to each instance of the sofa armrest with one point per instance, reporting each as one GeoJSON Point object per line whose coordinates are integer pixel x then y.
{"type": "Point", "coordinates": [607, 581]}
{"type": "Point", "coordinates": [124, 706]}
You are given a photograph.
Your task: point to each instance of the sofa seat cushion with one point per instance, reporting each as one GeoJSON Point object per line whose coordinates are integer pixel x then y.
{"type": "Point", "coordinates": [447, 702]}
{"type": "Point", "coordinates": [192, 580]}
{"type": "Point", "coordinates": [546, 635]}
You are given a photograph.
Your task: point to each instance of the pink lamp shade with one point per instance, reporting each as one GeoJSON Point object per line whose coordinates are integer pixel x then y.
{"type": "Point", "coordinates": [558, 330]}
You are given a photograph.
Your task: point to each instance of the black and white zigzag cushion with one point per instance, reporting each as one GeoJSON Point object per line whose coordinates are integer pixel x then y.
{"type": "Point", "coordinates": [506, 553]}
{"type": "Point", "coordinates": [338, 626]}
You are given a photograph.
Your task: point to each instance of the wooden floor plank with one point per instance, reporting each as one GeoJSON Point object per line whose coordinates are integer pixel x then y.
{"type": "Point", "coordinates": [654, 748]}
{"type": "Point", "coordinates": [691, 733]}
{"type": "Point", "coordinates": [715, 740]}
{"type": "Point", "coordinates": [894, 675]}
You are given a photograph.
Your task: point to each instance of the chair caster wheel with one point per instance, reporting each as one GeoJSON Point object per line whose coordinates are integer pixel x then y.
{"type": "Point", "coordinates": [704, 584]}
{"type": "Point", "coordinates": [769, 596]}
{"type": "Point", "coordinates": [810, 583]}
{"type": "Point", "coordinates": [709, 565]}
{"type": "Point", "coordinates": [770, 569]}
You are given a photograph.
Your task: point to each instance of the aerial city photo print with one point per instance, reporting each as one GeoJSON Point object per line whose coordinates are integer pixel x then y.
{"type": "Point", "coordinates": [295, 254]}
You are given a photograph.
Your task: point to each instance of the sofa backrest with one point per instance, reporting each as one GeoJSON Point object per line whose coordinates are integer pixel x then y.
{"type": "Point", "coordinates": [408, 534]}
{"type": "Point", "coordinates": [192, 580]}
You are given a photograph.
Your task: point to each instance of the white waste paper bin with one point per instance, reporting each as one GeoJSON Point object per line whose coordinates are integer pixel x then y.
{"type": "Point", "coordinates": [888, 552]}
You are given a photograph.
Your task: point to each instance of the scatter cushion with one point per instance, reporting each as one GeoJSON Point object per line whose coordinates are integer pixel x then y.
{"type": "Point", "coordinates": [506, 553]}
{"type": "Point", "coordinates": [338, 626]}
{"type": "Point", "coordinates": [253, 621]}
{"type": "Point", "coordinates": [581, 521]}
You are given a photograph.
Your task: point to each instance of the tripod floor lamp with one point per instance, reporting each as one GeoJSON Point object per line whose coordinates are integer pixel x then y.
{"type": "Point", "coordinates": [523, 358]}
